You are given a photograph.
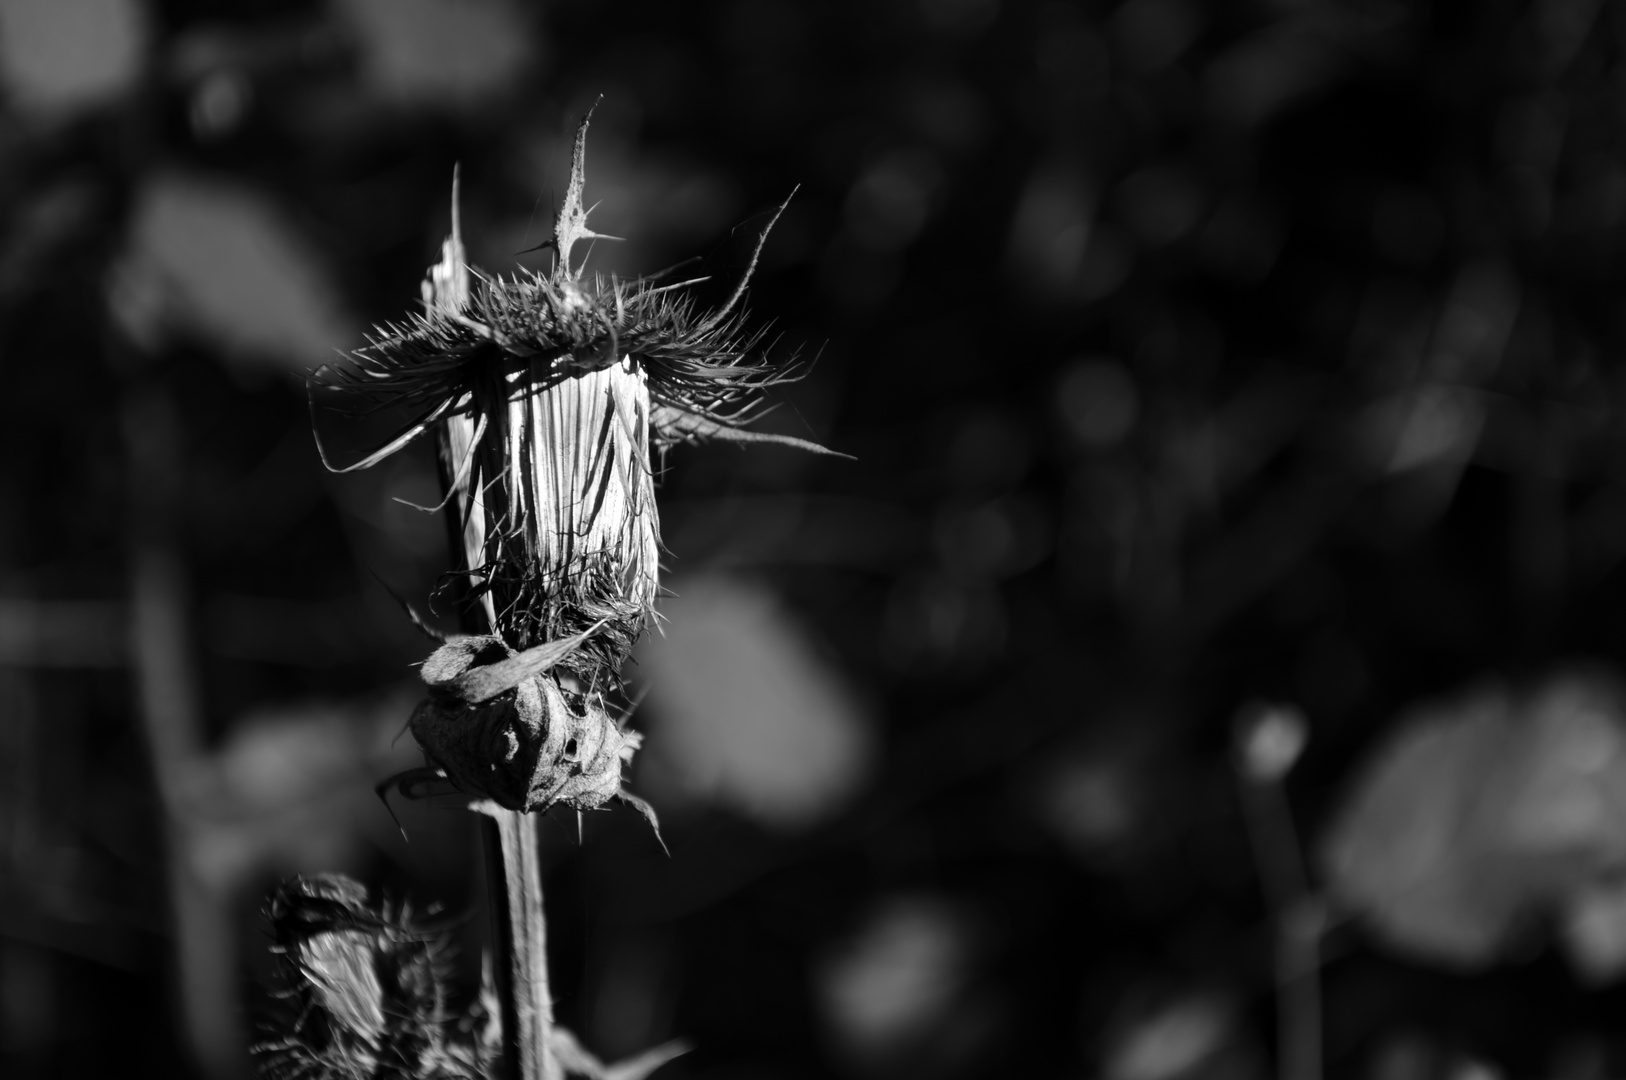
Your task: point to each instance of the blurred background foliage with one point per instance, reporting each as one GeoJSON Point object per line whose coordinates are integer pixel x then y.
{"type": "Point", "coordinates": [1194, 355]}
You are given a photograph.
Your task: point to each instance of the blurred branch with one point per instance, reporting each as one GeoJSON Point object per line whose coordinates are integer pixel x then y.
{"type": "Point", "coordinates": [1270, 739]}
{"type": "Point", "coordinates": [63, 633]}
{"type": "Point", "coordinates": [167, 698]}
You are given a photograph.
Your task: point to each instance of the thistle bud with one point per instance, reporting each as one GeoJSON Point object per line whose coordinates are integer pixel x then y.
{"type": "Point", "coordinates": [548, 391]}
{"type": "Point", "coordinates": [365, 989]}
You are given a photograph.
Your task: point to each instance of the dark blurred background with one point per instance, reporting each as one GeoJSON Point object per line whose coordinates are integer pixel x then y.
{"type": "Point", "coordinates": [1226, 381]}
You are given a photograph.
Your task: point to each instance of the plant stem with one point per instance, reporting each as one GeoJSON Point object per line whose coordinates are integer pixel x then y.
{"type": "Point", "coordinates": [519, 932]}
{"type": "Point", "coordinates": [171, 716]}
{"type": "Point", "coordinates": [511, 846]}
{"type": "Point", "coordinates": [1297, 917]}
{"type": "Point", "coordinates": [511, 839]}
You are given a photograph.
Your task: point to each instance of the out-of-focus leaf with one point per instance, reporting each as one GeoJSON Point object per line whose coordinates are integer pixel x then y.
{"type": "Point", "coordinates": [1093, 804]}
{"type": "Point", "coordinates": [745, 711]}
{"type": "Point", "coordinates": [947, 110]}
{"type": "Point", "coordinates": [1484, 809]}
{"type": "Point", "coordinates": [1288, 60]}
{"type": "Point", "coordinates": [1172, 1041]}
{"type": "Point", "coordinates": [284, 787]}
{"type": "Point", "coordinates": [1424, 437]}
{"type": "Point", "coordinates": [1405, 852]}
{"type": "Point", "coordinates": [959, 16]}
{"type": "Point", "coordinates": [1152, 34]}
{"type": "Point", "coordinates": [993, 539]}
{"type": "Point", "coordinates": [1051, 232]}
{"type": "Point", "coordinates": [220, 261]}
{"type": "Point", "coordinates": [1433, 425]}
{"type": "Point", "coordinates": [47, 225]}
{"type": "Point", "coordinates": [59, 56]}
{"type": "Point", "coordinates": [1106, 793]}
{"type": "Point", "coordinates": [897, 981]}
{"type": "Point", "coordinates": [1160, 204]}
{"type": "Point", "coordinates": [1475, 322]}
{"type": "Point", "coordinates": [936, 622]}
{"type": "Point", "coordinates": [1098, 400]}
{"type": "Point", "coordinates": [1593, 924]}
{"type": "Point", "coordinates": [892, 199]}
{"type": "Point", "coordinates": [440, 53]}
{"type": "Point", "coordinates": [1264, 73]}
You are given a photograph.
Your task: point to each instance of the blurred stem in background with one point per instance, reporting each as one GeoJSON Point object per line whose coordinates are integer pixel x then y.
{"type": "Point", "coordinates": [171, 716]}
{"type": "Point", "coordinates": [1270, 739]}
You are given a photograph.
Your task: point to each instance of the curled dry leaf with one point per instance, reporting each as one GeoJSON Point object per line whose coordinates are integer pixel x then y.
{"type": "Point", "coordinates": [502, 728]}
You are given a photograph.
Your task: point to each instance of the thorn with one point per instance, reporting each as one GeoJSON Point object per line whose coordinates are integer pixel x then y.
{"type": "Point", "coordinates": [457, 210]}
{"type": "Point", "coordinates": [657, 275]}
{"type": "Point", "coordinates": [641, 1065]}
{"type": "Point", "coordinates": [382, 790]}
{"type": "Point", "coordinates": [544, 245]}
{"type": "Point", "coordinates": [411, 613]}
{"type": "Point", "coordinates": [571, 223]}
{"type": "Point", "coordinates": [632, 706]}
{"type": "Point", "coordinates": [404, 782]}
{"type": "Point", "coordinates": [745, 278]}
{"type": "Point", "coordinates": [643, 807]}
{"type": "Point", "coordinates": [674, 423]}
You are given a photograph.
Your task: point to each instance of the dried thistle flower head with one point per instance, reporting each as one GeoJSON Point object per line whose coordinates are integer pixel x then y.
{"type": "Point", "coordinates": [548, 391]}
{"type": "Point", "coordinates": [552, 387]}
